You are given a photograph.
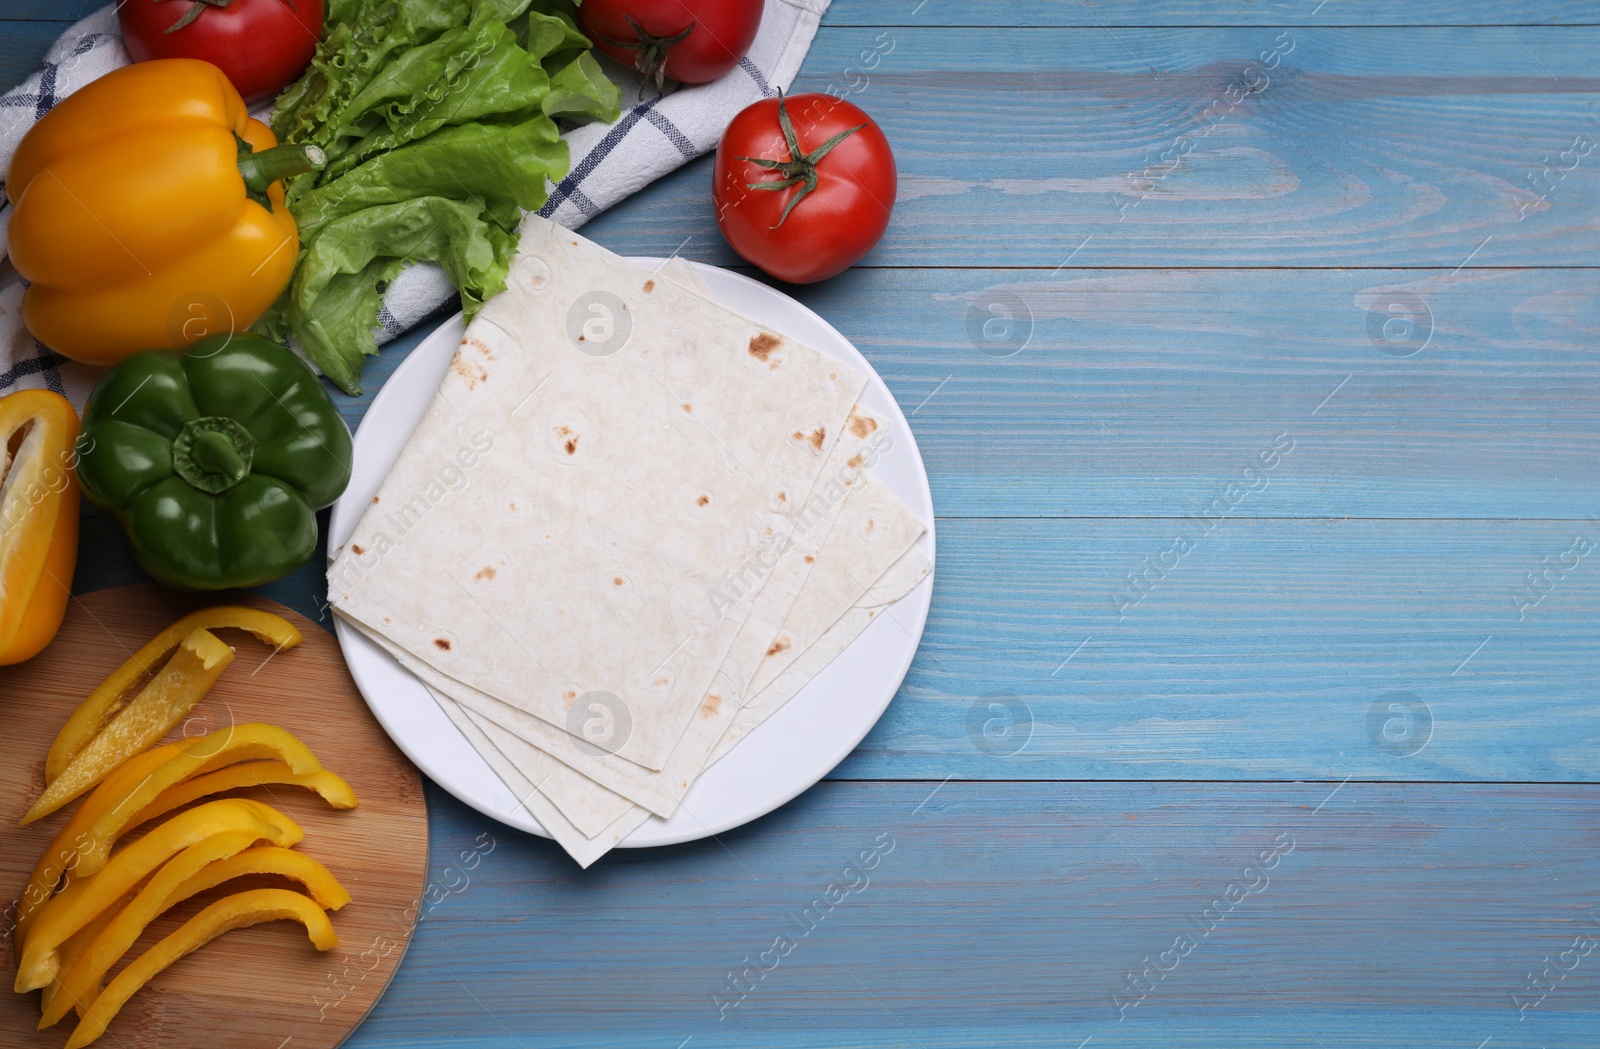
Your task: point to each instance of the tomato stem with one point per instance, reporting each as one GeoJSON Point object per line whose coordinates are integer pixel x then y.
{"type": "Point", "coordinates": [196, 9]}
{"type": "Point", "coordinates": [649, 51]}
{"type": "Point", "coordinates": [800, 168]}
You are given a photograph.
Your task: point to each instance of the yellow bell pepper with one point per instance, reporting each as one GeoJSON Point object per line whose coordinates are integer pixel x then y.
{"type": "Point", "coordinates": [104, 702]}
{"type": "Point", "coordinates": [84, 899]}
{"type": "Point", "coordinates": [186, 875]}
{"type": "Point", "coordinates": [334, 790]}
{"type": "Point", "coordinates": [233, 912]}
{"type": "Point", "coordinates": [206, 754]}
{"type": "Point", "coordinates": [170, 695]}
{"type": "Point", "coordinates": [149, 212]}
{"type": "Point", "coordinates": [38, 519]}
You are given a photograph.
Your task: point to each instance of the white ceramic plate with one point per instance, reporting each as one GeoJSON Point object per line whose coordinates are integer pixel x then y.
{"type": "Point", "coordinates": [795, 748]}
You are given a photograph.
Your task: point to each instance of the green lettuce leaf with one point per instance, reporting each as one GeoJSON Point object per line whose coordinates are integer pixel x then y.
{"type": "Point", "coordinates": [333, 300]}
{"type": "Point", "coordinates": [437, 118]}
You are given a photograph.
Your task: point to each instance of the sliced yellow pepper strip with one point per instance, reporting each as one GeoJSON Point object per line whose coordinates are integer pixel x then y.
{"type": "Point", "coordinates": [234, 912]}
{"type": "Point", "coordinates": [73, 949]}
{"type": "Point", "coordinates": [334, 790]}
{"type": "Point", "coordinates": [170, 695]}
{"type": "Point", "coordinates": [165, 891]}
{"type": "Point", "coordinates": [104, 702]}
{"type": "Point", "coordinates": [82, 973]}
{"type": "Point", "coordinates": [63, 851]}
{"type": "Point", "coordinates": [222, 748]}
{"type": "Point", "coordinates": [80, 902]}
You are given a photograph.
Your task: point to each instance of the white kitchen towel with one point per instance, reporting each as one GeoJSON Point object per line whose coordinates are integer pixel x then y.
{"type": "Point", "coordinates": [609, 162]}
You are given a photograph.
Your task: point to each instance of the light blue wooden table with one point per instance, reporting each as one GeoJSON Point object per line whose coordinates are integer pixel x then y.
{"type": "Point", "coordinates": [1254, 350]}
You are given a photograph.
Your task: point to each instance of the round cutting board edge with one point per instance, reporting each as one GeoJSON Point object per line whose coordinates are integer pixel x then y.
{"type": "Point", "coordinates": [253, 987]}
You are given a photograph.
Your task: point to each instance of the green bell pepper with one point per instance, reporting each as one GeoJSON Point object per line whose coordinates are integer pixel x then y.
{"type": "Point", "coordinates": [215, 460]}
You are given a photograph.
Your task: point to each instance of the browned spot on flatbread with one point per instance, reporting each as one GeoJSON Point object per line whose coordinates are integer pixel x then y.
{"type": "Point", "coordinates": [358, 551]}
{"type": "Point", "coordinates": [374, 500]}
{"type": "Point", "coordinates": [649, 285]}
{"type": "Point", "coordinates": [616, 580]}
{"type": "Point", "coordinates": [855, 461]}
{"type": "Point", "coordinates": [703, 500]}
{"type": "Point", "coordinates": [762, 345]}
{"type": "Point", "coordinates": [810, 559]}
{"type": "Point", "coordinates": [442, 643]}
{"type": "Point", "coordinates": [469, 374]}
{"type": "Point", "coordinates": [481, 346]}
{"type": "Point", "coordinates": [780, 645]}
{"type": "Point", "coordinates": [661, 682]}
{"type": "Point", "coordinates": [709, 707]}
{"type": "Point", "coordinates": [688, 407]}
{"type": "Point", "coordinates": [861, 425]}
{"type": "Point", "coordinates": [571, 446]}
{"type": "Point", "coordinates": [817, 437]}
{"type": "Point", "coordinates": [486, 572]}
{"type": "Point", "coordinates": [783, 497]}
{"type": "Point", "coordinates": [569, 695]}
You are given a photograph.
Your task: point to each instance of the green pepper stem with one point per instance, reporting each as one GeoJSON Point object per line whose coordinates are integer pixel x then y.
{"type": "Point", "coordinates": [215, 453]}
{"type": "Point", "coordinates": [263, 168]}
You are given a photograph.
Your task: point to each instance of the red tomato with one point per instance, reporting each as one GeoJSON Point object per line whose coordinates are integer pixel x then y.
{"type": "Point", "coordinates": [833, 180]}
{"type": "Point", "coordinates": [691, 41]}
{"type": "Point", "coordinates": [261, 45]}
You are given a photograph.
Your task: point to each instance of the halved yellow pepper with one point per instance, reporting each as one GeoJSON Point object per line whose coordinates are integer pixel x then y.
{"type": "Point", "coordinates": [38, 519]}
{"type": "Point", "coordinates": [206, 754]}
{"type": "Point", "coordinates": [104, 702]}
{"type": "Point", "coordinates": [166, 890]}
{"type": "Point", "coordinates": [63, 851]}
{"type": "Point", "coordinates": [81, 901]}
{"type": "Point", "coordinates": [334, 790]}
{"type": "Point", "coordinates": [170, 695]}
{"type": "Point", "coordinates": [234, 912]}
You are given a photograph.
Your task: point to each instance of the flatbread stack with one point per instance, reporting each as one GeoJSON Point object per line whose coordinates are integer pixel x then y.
{"type": "Point", "coordinates": [631, 525]}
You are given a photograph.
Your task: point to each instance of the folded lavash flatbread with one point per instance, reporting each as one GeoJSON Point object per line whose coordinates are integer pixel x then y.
{"type": "Point", "coordinates": [868, 529]}
{"type": "Point", "coordinates": [628, 444]}
{"type": "Point", "coordinates": [819, 622]}
{"type": "Point", "coordinates": [586, 848]}
{"type": "Point", "coordinates": [874, 529]}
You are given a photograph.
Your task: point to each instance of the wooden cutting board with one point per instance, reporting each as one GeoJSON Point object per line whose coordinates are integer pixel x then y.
{"type": "Point", "coordinates": [263, 987]}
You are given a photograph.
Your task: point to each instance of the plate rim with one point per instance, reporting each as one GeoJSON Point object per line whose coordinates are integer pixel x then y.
{"type": "Point", "coordinates": [520, 818]}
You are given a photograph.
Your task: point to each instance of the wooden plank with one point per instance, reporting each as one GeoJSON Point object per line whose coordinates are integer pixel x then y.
{"type": "Point", "coordinates": [1119, 13]}
{"type": "Point", "coordinates": [1260, 653]}
{"type": "Point", "coordinates": [1144, 393]}
{"type": "Point", "coordinates": [48, 10]}
{"type": "Point", "coordinates": [1012, 914]}
{"type": "Point", "coordinates": [22, 45]}
{"type": "Point", "coordinates": [1268, 649]}
{"type": "Point", "coordinates": [1363, 147]}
